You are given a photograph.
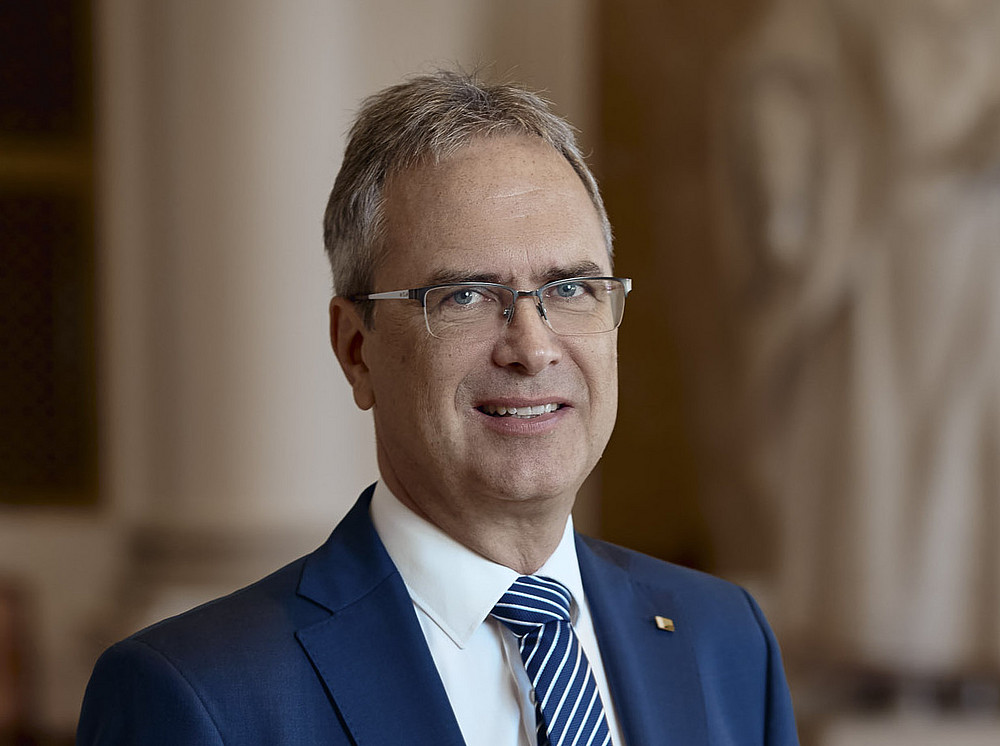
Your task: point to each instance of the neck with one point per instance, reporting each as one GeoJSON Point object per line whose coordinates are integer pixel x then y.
{"type": "Point", "coordinates": [522, 545]}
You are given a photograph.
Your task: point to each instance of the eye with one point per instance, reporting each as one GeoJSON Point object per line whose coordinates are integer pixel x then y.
{"type": "Point", "coordinates": [462, 297]}
{"type": "Point", "coordinates": [465, 297]}
{"type": "Point", "coordinates": [569, 289]}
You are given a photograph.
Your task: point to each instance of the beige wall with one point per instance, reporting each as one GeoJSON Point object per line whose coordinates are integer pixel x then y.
{"type": "Point", "coordinates": [223, 413]}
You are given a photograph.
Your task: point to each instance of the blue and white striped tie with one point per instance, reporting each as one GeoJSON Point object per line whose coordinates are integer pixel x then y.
{"type": "Point", "coordinates": [567, 703]}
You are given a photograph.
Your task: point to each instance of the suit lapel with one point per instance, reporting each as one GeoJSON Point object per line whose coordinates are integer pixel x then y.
{"type": "Point", "coordinates": [652, 672]}
{"type": "Point", "coordinates": [371, 652]}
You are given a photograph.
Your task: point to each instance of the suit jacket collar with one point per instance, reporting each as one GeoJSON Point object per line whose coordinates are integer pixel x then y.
{"type": "Point", "coordinates": [374, 662]}
{"type": "Point", "coordinates": [370, 652]}
{"type": "Point", "coordinates": [652, 673]}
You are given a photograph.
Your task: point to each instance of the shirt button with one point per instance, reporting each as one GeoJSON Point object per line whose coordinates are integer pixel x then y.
{"type": "Point", "coordinates": [531, 697]}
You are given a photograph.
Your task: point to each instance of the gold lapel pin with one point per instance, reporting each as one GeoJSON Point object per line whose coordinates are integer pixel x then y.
{"type": "Point", "coordinates": [664, 623]}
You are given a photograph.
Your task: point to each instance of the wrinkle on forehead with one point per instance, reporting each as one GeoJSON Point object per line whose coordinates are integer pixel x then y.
{"type": "Point", "coordinates": [483, 169]}
{"type": "Point", "coordinates": [516, 192]}
{"type": "Point", "coordinates": [514, 203]}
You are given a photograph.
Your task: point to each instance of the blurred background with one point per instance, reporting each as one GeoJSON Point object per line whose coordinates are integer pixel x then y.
{"type": "Point", "coordinates": [806, 193]}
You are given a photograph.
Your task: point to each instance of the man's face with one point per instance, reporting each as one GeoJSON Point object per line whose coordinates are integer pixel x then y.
{"type": "Point", "coordinates": [508, 210]}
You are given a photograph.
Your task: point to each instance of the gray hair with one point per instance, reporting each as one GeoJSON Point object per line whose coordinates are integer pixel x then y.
{"type": "Point", "coordinates": [426, 117]}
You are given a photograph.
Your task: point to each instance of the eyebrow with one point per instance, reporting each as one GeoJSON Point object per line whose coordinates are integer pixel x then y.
{"type": "Point", "coordinates": [447, 277]}
{"type": "Point", "coordinates": [580, 269]}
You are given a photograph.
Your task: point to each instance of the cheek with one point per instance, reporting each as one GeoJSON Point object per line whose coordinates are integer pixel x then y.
{"type": "Point", "coordinates": [600, 365]}
{"type": "Point", "coordinates": [602, 379]}
{"type": "Point", "coordinates": [394, 372]}
{"type": "Point", "coordinates": [455, 368]}
{"type": "Point", "coordinates": [424, 378]}
{"type": "Point", "coordinates": [400, 346]}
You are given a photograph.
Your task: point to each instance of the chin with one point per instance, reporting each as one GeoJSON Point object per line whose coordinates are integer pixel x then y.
{"type": "Point", "coordinates": [532, 486]}
{"type": "Point", "coordinates": [531, 471]}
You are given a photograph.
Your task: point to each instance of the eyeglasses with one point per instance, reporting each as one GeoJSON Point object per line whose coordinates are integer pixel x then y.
{"type": "Point", "coordinates": [577, 305]}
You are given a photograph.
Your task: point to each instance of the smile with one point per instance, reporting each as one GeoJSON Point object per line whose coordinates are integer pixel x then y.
{"type": "Point", "coordinates": [520, 412]}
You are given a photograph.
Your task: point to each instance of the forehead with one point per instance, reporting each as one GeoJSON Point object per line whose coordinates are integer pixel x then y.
{"type": "Point", "coordinates": [508, 207]}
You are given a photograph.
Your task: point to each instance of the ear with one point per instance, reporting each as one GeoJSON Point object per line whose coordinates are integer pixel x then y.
{"type": "Point", "coordinates": [347, 337]}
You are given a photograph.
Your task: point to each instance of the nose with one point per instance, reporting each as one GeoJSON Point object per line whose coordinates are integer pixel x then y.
{"type": "Point", "coordinates": [526, 342]}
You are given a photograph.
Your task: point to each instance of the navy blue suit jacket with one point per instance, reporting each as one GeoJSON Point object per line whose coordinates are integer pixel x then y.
{"type": "Point", "coordinates": [328, 650]}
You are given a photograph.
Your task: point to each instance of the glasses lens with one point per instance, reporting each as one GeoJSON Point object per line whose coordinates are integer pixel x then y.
{"type": "Point", "coordinates": [465, 310]}
{"type": "Point", "coordinates": [587, 305]}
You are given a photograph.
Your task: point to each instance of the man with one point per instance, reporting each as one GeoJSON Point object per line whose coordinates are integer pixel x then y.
{"type": "Point", "coordinates": [475, 315]}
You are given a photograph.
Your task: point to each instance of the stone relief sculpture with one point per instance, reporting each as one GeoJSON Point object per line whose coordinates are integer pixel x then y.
{"type": "Point", "coordinates": [862, 174]}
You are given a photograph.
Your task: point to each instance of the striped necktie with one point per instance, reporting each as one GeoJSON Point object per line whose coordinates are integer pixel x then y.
{"type": "Point", "coordinates": [567, 704]}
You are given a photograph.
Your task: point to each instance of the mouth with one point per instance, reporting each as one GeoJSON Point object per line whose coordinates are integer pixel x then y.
{"type": "Point", "coordinates": [521, 413]}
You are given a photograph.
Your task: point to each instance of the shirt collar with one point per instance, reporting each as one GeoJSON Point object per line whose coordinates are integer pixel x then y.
{"type": "Point", "coordinates": [453, 585]}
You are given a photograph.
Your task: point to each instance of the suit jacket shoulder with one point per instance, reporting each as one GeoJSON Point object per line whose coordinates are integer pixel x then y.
{"type": "Point", "coordinates": [312, 654]}
{"type": "Point", "coordinates": [714, 676]}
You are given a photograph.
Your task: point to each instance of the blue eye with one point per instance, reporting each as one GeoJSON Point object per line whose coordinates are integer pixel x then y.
{"type": "Point", "coordinates": [465, 296]}
{"type": "Point", "coordinates": [568, 289]}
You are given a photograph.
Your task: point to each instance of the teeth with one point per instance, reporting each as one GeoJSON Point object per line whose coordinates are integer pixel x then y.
{"type": "Point", "coordinates": [502, 411]}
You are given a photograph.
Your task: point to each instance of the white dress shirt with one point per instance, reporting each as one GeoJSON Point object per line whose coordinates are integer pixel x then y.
{"type": "Point", "coordinates": [453, 591]}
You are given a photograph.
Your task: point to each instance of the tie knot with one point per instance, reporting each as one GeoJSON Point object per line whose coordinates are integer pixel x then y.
{"type": "Point", "coordinates": [531, 602]}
